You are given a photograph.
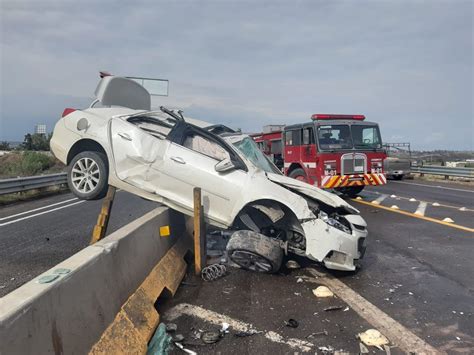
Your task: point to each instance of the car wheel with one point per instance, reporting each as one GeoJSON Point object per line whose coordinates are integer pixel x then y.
{"type": "Point", "coordinates": [88, 175]}
{"type": "Point", "coordinates": [254, 251]}
{"type": "Point", "coordinates": [299, 174]}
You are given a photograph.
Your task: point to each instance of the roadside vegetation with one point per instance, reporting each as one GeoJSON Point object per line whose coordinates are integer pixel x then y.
{"type": "Point", "coordinates": [32, 157]}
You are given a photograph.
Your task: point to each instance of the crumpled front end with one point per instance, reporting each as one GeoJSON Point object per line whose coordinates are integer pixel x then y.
{"type": "Point", "coordinates": [338, 249]}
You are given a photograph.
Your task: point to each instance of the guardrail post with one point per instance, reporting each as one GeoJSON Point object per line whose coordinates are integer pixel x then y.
{"type": "Point", "coordinates": [199, 233]}
{"type": "Point", "coordinates": [103, 220]}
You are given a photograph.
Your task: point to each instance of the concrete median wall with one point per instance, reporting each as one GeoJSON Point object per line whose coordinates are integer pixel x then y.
{"type": "Point", "coordinates": [70, 314]}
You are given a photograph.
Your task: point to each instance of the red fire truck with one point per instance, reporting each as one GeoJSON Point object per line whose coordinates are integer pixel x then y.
{"type": "Point", "coordinates": [342, 152]}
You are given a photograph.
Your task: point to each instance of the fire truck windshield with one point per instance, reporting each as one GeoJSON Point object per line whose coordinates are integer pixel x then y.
{"type": "Point", "coordinates": [343, 137]}
{"type": "Point", "coordinates": [250, 150]}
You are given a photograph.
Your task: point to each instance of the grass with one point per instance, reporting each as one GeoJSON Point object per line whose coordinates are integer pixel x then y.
{"type": "Point", "coordinates": [28, 163]}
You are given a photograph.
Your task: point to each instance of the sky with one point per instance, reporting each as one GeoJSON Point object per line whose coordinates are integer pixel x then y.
{"type": "Point", "coordinates": [407, 65]}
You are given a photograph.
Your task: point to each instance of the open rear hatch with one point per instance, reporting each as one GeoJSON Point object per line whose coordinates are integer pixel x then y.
{"type": "Point", "coordinates": [119, 91]}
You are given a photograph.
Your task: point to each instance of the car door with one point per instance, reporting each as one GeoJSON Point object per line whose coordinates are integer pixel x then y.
{"type": "Point", "coordinates": [134, 153]}
{"type": "Point", "coordinates": [192, 164]}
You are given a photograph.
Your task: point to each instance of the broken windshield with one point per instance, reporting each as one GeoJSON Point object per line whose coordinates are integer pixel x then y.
{"type": "Point", "coordinates": [343, 136]}
{"type": "Point", "coordinates": [249, 149]}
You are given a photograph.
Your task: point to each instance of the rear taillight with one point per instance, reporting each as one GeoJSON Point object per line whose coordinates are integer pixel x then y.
{"type": "Point", "coordinates": [67, 111]}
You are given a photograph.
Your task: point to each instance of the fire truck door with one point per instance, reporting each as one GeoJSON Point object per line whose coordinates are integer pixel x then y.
{"type": "Point", "coordinates": [308, 151]}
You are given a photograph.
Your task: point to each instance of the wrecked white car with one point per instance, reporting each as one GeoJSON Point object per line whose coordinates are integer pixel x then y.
{"type": "Point", "coordinates": [162, 156]}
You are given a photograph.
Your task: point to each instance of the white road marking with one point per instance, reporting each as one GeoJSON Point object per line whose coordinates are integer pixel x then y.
{"type": "Point", "coordinates": [421, 208]}
{"type": "Point", "coordinates": [218, 319]}
{"type": "Point", "coordinates": [37, 209]}
{"type": "Point", "coordinates": [431, 186]}
{"type": "Point", "coordinates": [397, 333]}
{"type": "Point", "coordinates": [40, 213]}
{"type": "Point", "coordinates": [379, 200]}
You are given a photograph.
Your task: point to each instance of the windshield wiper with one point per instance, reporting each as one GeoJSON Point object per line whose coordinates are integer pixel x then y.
{"type": "Point", "coordinates": [172, 113]}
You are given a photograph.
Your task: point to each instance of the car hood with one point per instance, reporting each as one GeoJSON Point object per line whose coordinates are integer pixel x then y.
{"type": "Point", "coordinates": [311, 191]}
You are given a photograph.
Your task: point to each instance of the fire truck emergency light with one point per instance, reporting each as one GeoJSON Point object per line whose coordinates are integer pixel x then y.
{"type": "Point", "coordinates": [323, 116]}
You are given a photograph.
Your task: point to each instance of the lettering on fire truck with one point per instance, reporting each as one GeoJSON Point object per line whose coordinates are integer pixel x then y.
{"type": "Point", "coordinates": [344, 152]}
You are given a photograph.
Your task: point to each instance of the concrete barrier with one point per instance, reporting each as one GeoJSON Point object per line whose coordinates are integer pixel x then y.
{"type": "Point", "coordinates": [109, 283]}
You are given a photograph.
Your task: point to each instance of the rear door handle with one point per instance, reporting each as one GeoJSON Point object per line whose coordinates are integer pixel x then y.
{"type": "Point", "coordinates": [125, 136]}
{"type": "Point", "coordinates": [178, 160]}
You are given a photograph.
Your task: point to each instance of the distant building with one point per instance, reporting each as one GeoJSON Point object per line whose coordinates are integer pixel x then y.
{"type": "Point", "coordinates": [40, 129]}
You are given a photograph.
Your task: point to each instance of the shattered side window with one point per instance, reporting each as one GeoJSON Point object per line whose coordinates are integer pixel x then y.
{"type": "Point", "coordinates": [205, 146]}
{"type": "Point", "coordinates": [156, 125]}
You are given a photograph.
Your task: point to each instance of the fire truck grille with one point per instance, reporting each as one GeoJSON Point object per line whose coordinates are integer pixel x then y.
{"type": "Point", "coordinates": [353, 165]}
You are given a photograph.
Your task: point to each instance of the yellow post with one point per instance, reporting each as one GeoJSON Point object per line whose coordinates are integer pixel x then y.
{"type": "Point", "coordinates": [199, 233]}
{"type": "Point", "coordinates": [103, 220]}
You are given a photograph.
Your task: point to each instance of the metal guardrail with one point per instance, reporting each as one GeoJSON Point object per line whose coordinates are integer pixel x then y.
{"type": "Point", "coordinates": [444, 170]}
{"type": "Point", "coordinates": [8, 186]}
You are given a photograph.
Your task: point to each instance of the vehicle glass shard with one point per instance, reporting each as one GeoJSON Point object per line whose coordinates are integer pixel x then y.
{"type": "Point", "coordinates": [156, 87]}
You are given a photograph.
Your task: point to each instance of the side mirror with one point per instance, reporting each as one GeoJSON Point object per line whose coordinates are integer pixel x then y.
{"type": "Point", "coordinates": [224, 166]}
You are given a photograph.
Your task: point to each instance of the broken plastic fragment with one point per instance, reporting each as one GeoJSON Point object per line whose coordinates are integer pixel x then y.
{"type": "Point", "coordinates": [299, 280]}
{"type": "Point", "coordinates": [412, 199]}
{"type": "Point", "coordinates": [184, 349]}
{"type": "Point", "coordinates": [323, 291]}
{"type": "Point", "coordinates": [333, 308]}
{"type": "Point", "coordinates": [436, 204]}
{"type": "Point", "coordinates": [372, 337]}
{"type": "Point", "coordinates": [395, 207]}
{"type": "Point", "coordinates": [448, 220]}
{"type": "Point", "coordinates": [225, 327]}
{"type": "Point", "coordinates": [393, 196]}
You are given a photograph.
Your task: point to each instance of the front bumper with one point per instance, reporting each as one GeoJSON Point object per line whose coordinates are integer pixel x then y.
{"type": "Point", "coordinates": [336, 249]}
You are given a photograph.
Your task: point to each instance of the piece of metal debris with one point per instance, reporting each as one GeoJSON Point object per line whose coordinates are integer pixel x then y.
{"type": "Point", "coordinates": [292, 264]}
{"type": "Point", "coordinates": [210, 337]}
{"type": "Point", "coordinates": [292, 323]}
{"type": "Point", "coordinates": [213, 272]}
{"type": "Point", "coordinates": [323, 291]}
{"type": "Point", "coordinates": [326, 350]}
{"type": "Point", "coordinates": [372, 337]}
{"type": "Point", "coordinates": [180, 346]}
{"type": "Point", "coordinates": [333, 308]}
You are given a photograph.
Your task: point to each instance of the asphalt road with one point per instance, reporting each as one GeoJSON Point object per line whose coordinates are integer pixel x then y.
{"type": "Point", "coordinates": [417, 269]}
{"type": "Point", "coordinates": [36, 235]}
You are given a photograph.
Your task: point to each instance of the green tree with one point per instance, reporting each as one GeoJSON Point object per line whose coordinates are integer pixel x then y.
{"type": "Point", "coordinates": [5, 145]}
{"type": "Point", "coordinates": [36, 141]}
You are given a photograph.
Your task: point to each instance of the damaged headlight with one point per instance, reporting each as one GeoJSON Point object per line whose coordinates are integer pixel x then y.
{"type": "Point", "coordinates": [333, 222]}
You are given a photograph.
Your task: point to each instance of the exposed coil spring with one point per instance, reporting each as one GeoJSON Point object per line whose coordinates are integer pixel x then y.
{"type": "Point", "coordinates": [213, 272]}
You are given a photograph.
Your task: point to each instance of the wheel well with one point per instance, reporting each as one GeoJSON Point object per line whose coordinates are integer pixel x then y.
{"type": "Point", "coordinates": [82, 146]}
{"type": "Point", "coordinates": [293, 167]}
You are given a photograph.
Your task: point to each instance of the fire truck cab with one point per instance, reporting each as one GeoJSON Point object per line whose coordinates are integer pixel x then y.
{"type": "Point", "coordinates": [342, 152]}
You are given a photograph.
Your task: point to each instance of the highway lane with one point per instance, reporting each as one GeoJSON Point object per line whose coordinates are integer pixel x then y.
{"type": "Point", "coordinates": [36, 235]}
{"type": "Point", "coordinates": [417, 271]}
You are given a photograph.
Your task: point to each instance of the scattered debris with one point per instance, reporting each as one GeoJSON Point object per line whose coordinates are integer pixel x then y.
{"type": "Point", "coordinates": [292, 264]}
{"type": "Point", "coordinates": [225, 328]}
{"type": "Point", "coordinates": [12, 279]}
{"type": "Point", "coordinates": [323, 291]}
{"type": "Point", "coordinates": [178, 338]}
{"type": "Point", "coordinates": [358, 198]}
{"type": "Point", "coordinates": [410, 293]}
{"type": "Point", "coordinates": [436, 204]}
{"type": "Point", "coordinates": [463, 209]}
{"type": "Point", "coordinates": [292, 323]}
{"type": "Point", "coordinates": [160, 342]}
{"type": "Point", "coordinates": [333, 308]}
{"type": "Point", "coordinates": [299, 280]}
{"type": "Point", "coordinates": [458, 338]}
{"type": "Point", "coordinates": [363, 349]}
{"type": "Point", "coordinates": [412, 199]}
{"type": "Point", "coordinates": [393, 196]}
{"type": "Point", "coordinates": [448, 220]}
{"type": "Point", "coordinates": [312, 335]}
{"type": "Point", "coordinates": [372, 337]}
{"type": "Point", "coordinates": [210, 337]}
{"type": "Point", "coordinates": [297, 293]}
{"type": "Point", "coordinates": [394, 207]}
{"type": "Point", "coordinates": [180, 346]}
{"type": "Point", "coordinates": [171, 327]}
{"type": "Point", "coordinates": [326, 350]}
{"type": "Point", "coordinates": [213, 272]}
{"type": "Point", "coordinates": [346, 309]}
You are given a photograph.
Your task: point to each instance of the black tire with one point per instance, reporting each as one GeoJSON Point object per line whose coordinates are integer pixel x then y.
{"type": "Point", "coordinates": [352, 191]}
{"type": "Point", "coordinates": [398, 177]}
{"type": "Point", "coordinates": [94, 179]}
{"type": "Point", "coordinates": [299, 174]}
{"type": "Point", "coordinates": [254, 251]}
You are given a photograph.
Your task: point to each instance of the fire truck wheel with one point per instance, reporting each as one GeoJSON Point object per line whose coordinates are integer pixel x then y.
{"type": "Point", "coordinates": [299, 174]}
{"type": "Point", "coordinates": [352, 191]}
